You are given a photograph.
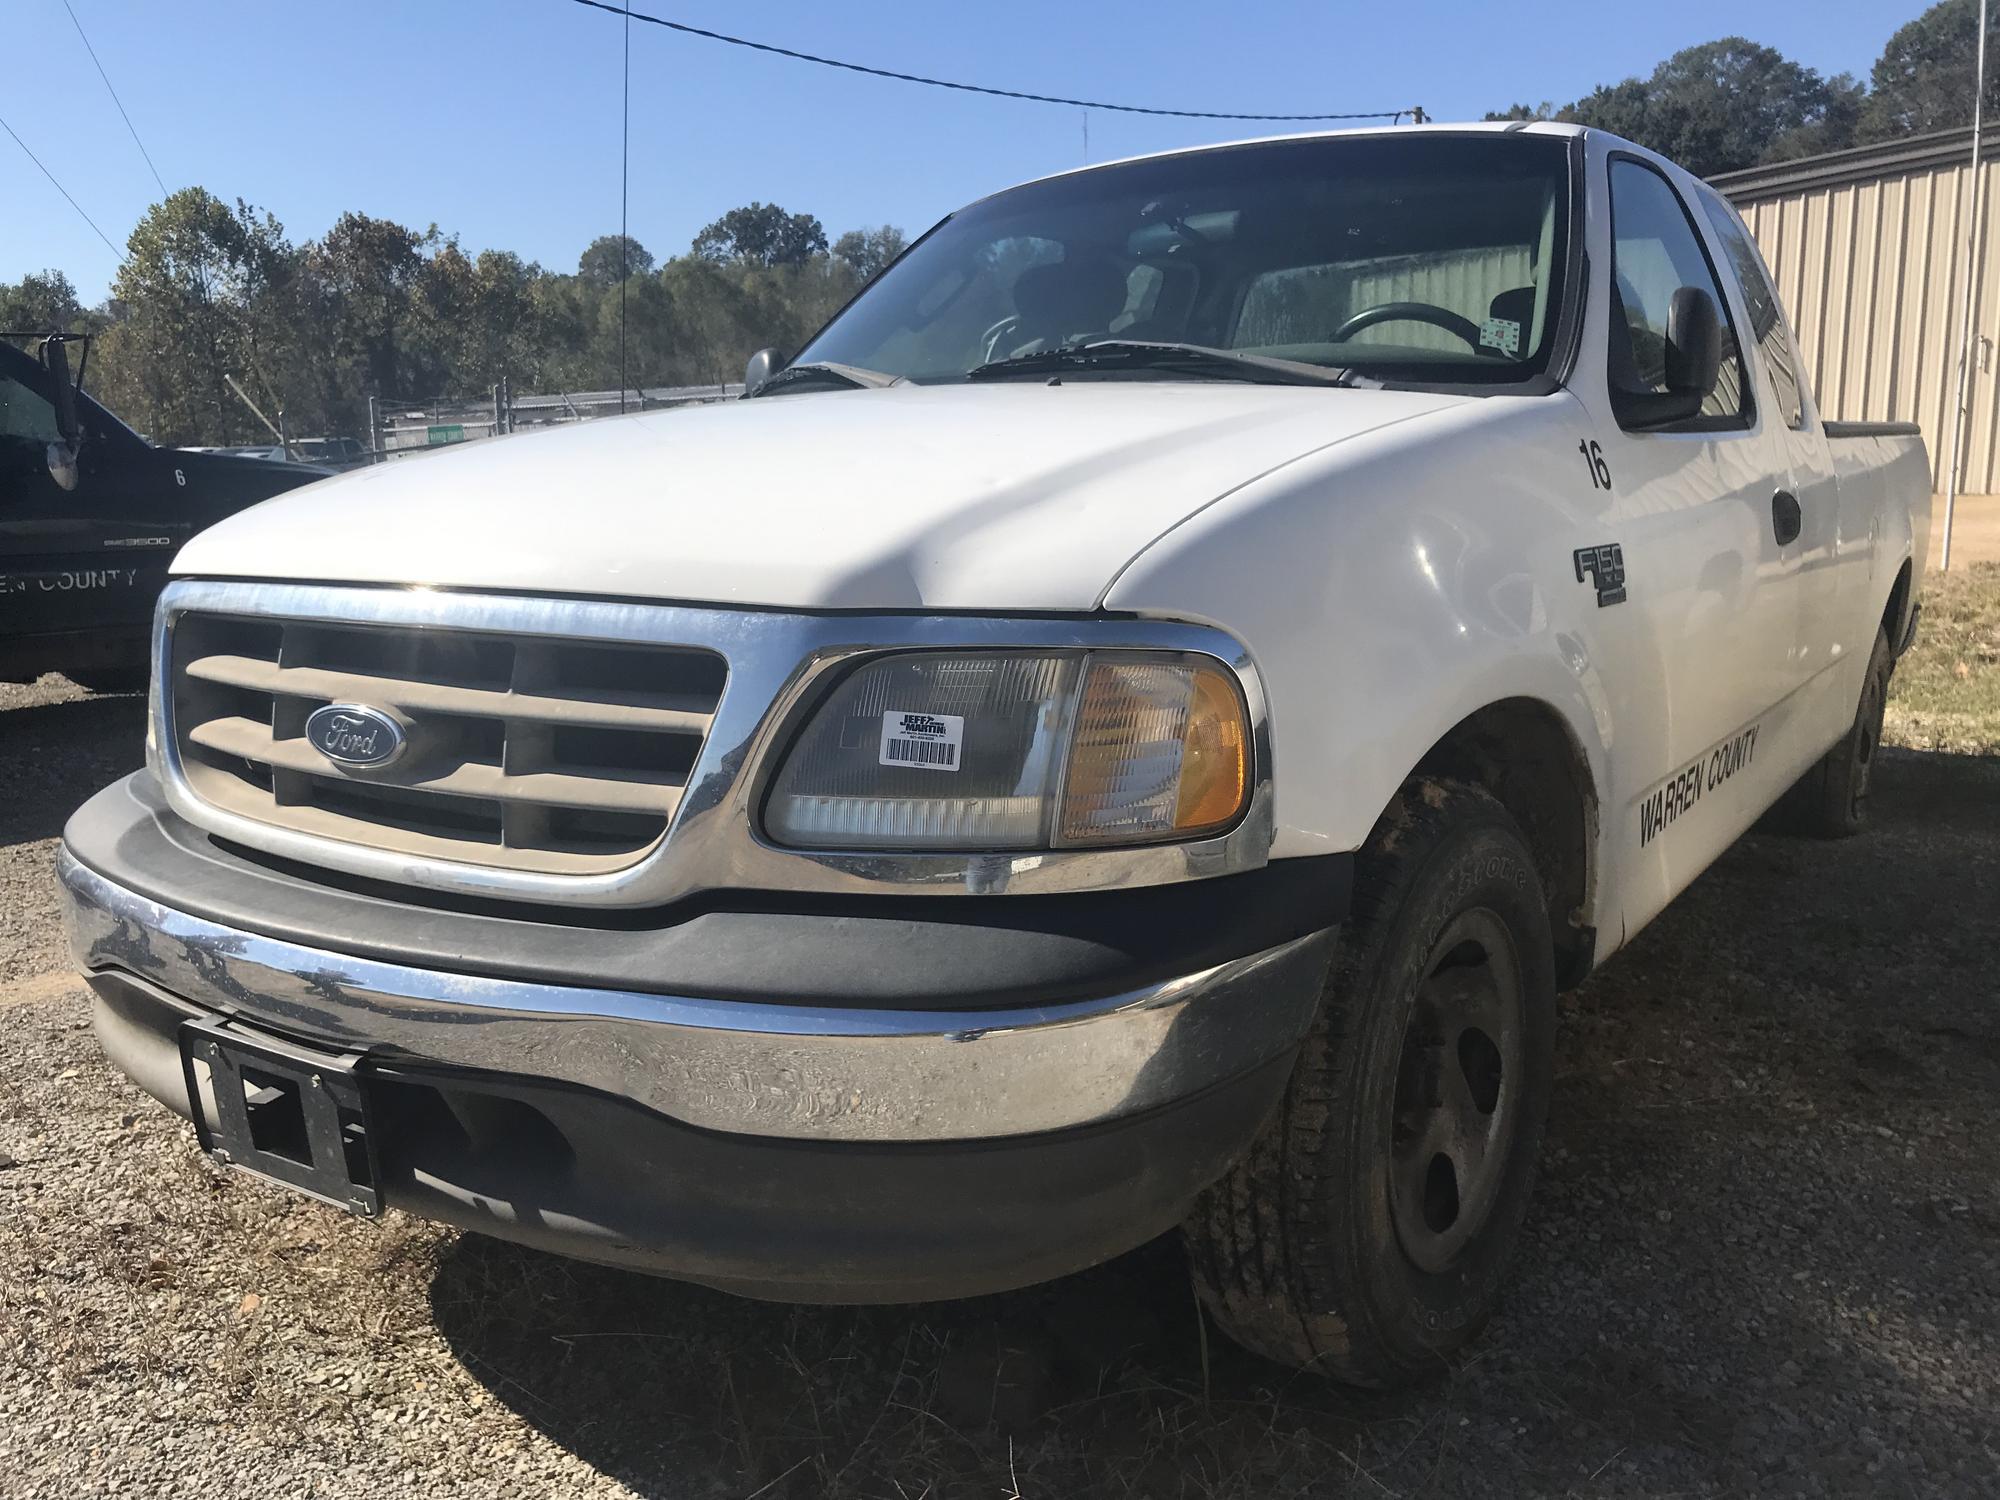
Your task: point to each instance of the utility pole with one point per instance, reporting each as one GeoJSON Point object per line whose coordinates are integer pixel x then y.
{"type": "Point", "coordinates": [374, 433]}
{"type": "Point", "coordinates": [275, 430]}
{"type": "Point", "coordinates": [1968, 306]}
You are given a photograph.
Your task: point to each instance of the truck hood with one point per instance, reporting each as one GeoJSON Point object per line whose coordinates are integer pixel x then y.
{"type": "Point", "coordinates": [988, 497]}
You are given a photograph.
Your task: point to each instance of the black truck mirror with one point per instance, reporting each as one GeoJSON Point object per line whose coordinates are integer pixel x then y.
{"type": "Point", "coordinates": [763, 365]}
{"type": "Point", "coordinates": [1694, 345]}
{"type": "Point", "coordinates": [62, 453]}
{"type": "Point", "coordinates": [1692, 360]}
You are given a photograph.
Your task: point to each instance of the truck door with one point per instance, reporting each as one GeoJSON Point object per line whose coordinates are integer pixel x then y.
{"type": "Point", "coordinates": [1833, 548]}
{"type": "Point", "coordinates": [1710, 649]}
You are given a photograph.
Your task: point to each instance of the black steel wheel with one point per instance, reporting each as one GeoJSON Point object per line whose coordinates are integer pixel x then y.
{"type": "Point", "coordinates": [1457, 1096]}
{"type": "Point", "coordinates": [1367, 1232]}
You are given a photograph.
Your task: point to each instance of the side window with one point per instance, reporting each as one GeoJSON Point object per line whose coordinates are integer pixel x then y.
{"type": "Point", "coordinates": [25, 416]}
{"type": "Point", "coordinates": [1767, 322]}
{"type": "Point", "coordinates": [1655, 252]}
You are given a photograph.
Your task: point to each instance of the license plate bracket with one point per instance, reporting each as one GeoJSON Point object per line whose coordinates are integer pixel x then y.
{"type": "Point", "coordinates": [289, 1114]}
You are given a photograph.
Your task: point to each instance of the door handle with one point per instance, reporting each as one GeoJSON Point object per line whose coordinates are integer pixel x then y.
{"type": "Point", "coordinates": [1787, 520]}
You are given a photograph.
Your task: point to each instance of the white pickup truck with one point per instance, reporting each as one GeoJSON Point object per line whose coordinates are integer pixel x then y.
{"type": "Point", "coordinates": [1132, 728]}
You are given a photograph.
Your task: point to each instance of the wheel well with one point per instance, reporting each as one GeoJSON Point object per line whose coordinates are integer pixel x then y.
{"type": "Point", "coordinates": [1520, 750]}
{"type": "Point", "coordinates": [1899, 599]}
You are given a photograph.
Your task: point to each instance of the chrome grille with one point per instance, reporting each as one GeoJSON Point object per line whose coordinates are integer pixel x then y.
{"type": "Point", "coordinates": [527, 752]}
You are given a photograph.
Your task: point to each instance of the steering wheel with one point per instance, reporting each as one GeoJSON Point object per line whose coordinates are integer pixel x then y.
{"type": "Point", "coordinates": [989, 341]}
{"type": "Point", "coordinates": [1410, 312]}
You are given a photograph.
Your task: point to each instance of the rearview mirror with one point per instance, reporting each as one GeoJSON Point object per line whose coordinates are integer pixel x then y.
{"type": "Point", "coordinates": [1693, 364]}
{"type": "Point", "coordinates": [763, 365]}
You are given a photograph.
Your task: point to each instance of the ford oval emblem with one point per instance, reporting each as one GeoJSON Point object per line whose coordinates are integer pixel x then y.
{"type": "Point", "coordinates": [354, 735]}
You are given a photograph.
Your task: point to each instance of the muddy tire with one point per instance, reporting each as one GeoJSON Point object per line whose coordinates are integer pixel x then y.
{"type": "Point", "coordinates": [1366, 1232]}
{"type": "Point", "coordinates": [1831, 800]}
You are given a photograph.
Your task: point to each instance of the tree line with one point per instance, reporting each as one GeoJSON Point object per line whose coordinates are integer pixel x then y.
{"type": "Point", "coordinates": [375, 308]}
{"type": "Point", "coordinates": [1730, 104]}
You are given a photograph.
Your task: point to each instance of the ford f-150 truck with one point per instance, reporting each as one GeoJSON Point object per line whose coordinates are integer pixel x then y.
{"type": "Point", "coordinates": [1131, 728]}
{"type": "Point", "coordinates": [90, 516]}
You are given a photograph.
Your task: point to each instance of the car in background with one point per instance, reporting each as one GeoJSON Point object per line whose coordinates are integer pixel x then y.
{"type": "Point", "coordinates": [333, 453]}
{"type": "Point", "coordinates": [90, 516]}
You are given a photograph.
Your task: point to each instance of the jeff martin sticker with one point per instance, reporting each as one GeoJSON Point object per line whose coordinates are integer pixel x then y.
{"type": "Point", "coordinates": [926, 742]}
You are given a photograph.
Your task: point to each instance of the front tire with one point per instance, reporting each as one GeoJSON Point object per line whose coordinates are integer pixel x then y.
{"type": "Point", "coordinates": [1366, 1232]}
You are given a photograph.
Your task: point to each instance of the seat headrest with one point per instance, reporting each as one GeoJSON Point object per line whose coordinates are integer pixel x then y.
{"type": "Point", "coordinates": [1516, 306]}
{"type": "Point", "coordinates": [1070, 296]}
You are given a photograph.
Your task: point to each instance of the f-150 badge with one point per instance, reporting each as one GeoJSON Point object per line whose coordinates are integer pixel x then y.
{"type": "Point", "coordinates": [1605, 564]}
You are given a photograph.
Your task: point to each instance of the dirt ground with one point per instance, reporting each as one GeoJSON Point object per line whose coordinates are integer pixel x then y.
{"type": "Point", "coordinates": [1764, 1256]}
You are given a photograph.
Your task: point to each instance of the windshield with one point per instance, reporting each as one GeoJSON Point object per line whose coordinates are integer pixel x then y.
{"type": "Point", "coordinates": [1416, 259]}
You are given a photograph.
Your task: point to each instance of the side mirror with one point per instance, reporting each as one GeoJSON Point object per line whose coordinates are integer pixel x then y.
{"type": "Point", "coordinates": [1693, 360]}
{"type": "Point", "coordinates": [763, 365]}
{"type": "Point", "coordinates": [62, 454]}
{"type": "Point", "coordinates": [1694, 346]}
{"type": "Point", "coordinates": [62, 465]}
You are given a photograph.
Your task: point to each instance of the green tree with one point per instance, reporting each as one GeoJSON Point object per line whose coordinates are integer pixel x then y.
{"type": "Point", "coordinates": [1924, 79]}
{"type": "Point", "coordinates": [762, 234]}
{"type": "Point", "coordinates": [601, 263]}
{"type": "Point", "coordinates": [190, 264]}
{"type": "Point", "coordinates": [1724, 105]}
{"type": "Point", "coordinates": [869, 250]}
{"type": "Point", "coordinates": [366, 272]}
{"type": "Point", "coordinates": [39, 303]}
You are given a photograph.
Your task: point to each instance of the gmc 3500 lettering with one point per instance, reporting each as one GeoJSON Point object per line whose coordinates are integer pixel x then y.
{"type": "Point", "coordinates": [1130, 729]}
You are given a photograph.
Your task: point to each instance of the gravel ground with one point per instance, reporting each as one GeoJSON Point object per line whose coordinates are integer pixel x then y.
{"type": "Point", "coordinates": [1764, 1257]}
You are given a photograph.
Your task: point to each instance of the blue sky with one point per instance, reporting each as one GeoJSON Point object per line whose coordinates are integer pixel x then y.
{"type": "Point", "coordinates": [499, 119]}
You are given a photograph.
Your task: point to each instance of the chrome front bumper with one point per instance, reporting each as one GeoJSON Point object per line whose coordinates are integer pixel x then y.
{"type": "Point", "coordinates": [801, 1073]}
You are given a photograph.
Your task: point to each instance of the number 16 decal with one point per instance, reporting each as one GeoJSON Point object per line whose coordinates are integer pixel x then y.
{"type": "Point", "coordinates": [1593, 460]}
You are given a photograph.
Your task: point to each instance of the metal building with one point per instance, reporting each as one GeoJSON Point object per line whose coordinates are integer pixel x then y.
{"type": "Point", "coordinates": [1868, 249]}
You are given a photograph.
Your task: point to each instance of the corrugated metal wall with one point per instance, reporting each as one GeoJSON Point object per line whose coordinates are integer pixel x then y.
{"type": "Point", "coordinates": [1868, 250]}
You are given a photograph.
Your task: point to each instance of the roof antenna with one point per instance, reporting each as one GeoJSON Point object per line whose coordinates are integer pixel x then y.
{"type": "Point", "coordinates": [624, 209]}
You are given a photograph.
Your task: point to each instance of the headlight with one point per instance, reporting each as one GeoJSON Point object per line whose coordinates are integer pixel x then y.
{"type": "Point", "coordinates": [1017, 750]}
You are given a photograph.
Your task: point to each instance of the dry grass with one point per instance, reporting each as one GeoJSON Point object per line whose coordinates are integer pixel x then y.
{"type": "Point", "coordinates": [1946, 694]}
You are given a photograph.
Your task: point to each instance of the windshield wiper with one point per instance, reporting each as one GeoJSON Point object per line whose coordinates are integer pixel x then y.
{"type": "Point", "coordinates": [1146, 354]}
{"type": "Point", "coordinates": [829, 370]}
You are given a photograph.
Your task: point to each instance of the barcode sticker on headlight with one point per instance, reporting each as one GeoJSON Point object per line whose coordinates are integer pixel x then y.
{"type": "Point", "coordinates": [924, 742]}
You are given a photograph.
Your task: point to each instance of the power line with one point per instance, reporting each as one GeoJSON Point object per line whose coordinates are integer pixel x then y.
{"type": "Point", "coordinates": [65, 192]}
{"type": "Point", "coordinates": [115, 99]}
{"type": "Point", "coordinates": [973, 88]}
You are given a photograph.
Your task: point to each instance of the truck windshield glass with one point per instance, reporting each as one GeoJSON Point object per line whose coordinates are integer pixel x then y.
{"type": "Point", "coordinates": [1418, 259]}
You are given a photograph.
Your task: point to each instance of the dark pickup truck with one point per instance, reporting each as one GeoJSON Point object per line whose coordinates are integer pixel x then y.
{"type": "Point", "coordinates": [90, 516]}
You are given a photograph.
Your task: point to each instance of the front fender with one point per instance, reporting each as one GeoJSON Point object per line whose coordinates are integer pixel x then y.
{"type": "Point", "coordinates": [1387, 589]}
